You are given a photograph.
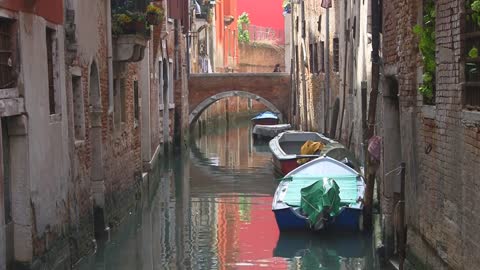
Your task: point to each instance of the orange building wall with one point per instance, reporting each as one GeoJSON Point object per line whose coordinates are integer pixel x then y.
{"type": "Point", "coordinates": [227, 36]}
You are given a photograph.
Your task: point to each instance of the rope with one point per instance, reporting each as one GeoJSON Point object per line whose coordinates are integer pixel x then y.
{"type": "Point", "coordinates": [399, 169]}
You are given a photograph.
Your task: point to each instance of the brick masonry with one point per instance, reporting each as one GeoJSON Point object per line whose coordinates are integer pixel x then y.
{"type": "Point", "coordinates": [274, 87]}
{"type": "Point", "coordinates": [441, 145]}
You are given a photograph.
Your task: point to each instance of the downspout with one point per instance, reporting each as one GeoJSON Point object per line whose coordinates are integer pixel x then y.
{"type": "Point", "coordinates": [109, 57]}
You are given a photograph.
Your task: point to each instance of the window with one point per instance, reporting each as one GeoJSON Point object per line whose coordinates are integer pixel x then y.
{"type": "Point", "coordinates": [8, 78]}
{"type": "Point", "coordinates": [471, 36]}
{"type": "Point", "coordinates": [322, 56]}
{"type": "Point", "coordinates": [336, 55]}
{"type": "Point", "coordinates": [52, 52]}
{"type": "Point", "coordinates": [319, 23]}
{"type": "Point", "coordinates": [136, 105]}
{"type": "Point", "coordinates": [119, 99]}
{"type": "Point", "coordinates": [354, 27]}
{"type": "Point", "coordinates": [123, 115]}
{"type": "Point", "coordinates": [313, 58]}
{"type": "Point", "coordinates": [170, 84]}
{"type": "Point", "coordinates": [78, 108]}
{"type": "Point", "coordinates": [296, 24]}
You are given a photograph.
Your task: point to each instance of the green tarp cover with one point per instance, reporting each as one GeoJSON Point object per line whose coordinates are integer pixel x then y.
{"type": "Point", "coordinates": [321, 196]}
{"type": "Point", "coordinates": [346, 183]}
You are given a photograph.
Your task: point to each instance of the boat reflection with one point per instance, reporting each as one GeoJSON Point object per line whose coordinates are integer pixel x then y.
{"type": "Point", "coordinates": [324, 250]}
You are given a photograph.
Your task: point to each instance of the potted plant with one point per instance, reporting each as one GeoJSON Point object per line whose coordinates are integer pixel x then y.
{"type": "Point", "coordinates": [128, 23]}
{"type": "Point", "coordinates": [154, 14]}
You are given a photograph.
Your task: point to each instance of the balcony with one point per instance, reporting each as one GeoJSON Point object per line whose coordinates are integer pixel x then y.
{"type": "Point", "coordinates": [132, 22]}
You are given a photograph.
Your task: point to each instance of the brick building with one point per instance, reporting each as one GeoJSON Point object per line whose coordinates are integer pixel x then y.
{"type": "Point", "coordinates": [87, 112]}
{"type": "Point", "coordinates": [438, 138]}
{"type": "Point", "coordinates": [328, 60]}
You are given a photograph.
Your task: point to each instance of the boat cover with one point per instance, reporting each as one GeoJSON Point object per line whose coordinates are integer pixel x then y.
{"type": "Point", "coordinates": [347, 187]}
{"type": "Point", "coordinates": [270, 130]}
{"type": "Point", "coordinates": [320, 201]}
{"type": "Point", "coordinates": [265, 115]}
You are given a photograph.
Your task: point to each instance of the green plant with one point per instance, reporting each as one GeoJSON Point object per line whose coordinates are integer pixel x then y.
{"type": "Point", "coordinates": [426, 35]}
{"type": "Point", "coordinates": [157, 10]}
{"type": "Point", "coordinates": [243, 22]}
{"type": "Point", "coordinates": [128, 23]}
{"type": "Point", "coordinates": [153, 9]}
{"type": "Point", "coordinates": [474, 6]}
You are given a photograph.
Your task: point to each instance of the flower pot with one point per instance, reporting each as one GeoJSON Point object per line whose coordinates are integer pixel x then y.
{"type": "Point", "coordinates": [153, 18]}
{"type": "Point", "coordinates": [134, 27]}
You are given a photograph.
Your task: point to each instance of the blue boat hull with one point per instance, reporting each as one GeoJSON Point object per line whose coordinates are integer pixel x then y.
{"type": "Point", "coordinates": [347, 220]}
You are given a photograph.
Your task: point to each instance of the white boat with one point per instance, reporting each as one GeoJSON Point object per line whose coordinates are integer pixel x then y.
{"type": "Point", "coordinates": [287, 199]}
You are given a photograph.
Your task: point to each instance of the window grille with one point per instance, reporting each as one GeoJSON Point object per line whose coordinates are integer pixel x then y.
{"type": "Point", "coordinates": [336, 55]}
{"type": "Point", "coordinates": [51, 83]}
{"type": "Point", "coordinates": [7, 64]}
{"type": "Point", "coordinates": [322, 56]}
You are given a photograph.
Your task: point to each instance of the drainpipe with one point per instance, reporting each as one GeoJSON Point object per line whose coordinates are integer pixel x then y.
{"type": "Point", "coordinates": [109, 56]}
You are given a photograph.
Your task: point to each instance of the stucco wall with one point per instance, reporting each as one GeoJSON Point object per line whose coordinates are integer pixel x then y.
{"type": "Point", "coordinates": [44, 168]}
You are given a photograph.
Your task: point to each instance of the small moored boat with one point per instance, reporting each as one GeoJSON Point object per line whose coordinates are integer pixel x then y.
{"type": "Point", "coordinates": [265, 118]}
{"type": "Point", "coordinates": [286, 149]}
{"type": "Point", "coordinates": [269, 131]}
{"type": "Point", "coordinates": [337, 205]}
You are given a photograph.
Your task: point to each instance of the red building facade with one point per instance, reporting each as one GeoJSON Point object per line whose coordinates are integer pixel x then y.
{"type": "Point", "coordinates": [266, 19]}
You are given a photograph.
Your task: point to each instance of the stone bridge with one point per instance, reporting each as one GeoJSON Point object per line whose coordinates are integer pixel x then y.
{"type": "Point", "coordinates": [271, 89]}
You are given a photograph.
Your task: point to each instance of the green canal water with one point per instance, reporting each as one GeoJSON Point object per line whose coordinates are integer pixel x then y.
{"type": "Point", "coordinates": [210, 208]}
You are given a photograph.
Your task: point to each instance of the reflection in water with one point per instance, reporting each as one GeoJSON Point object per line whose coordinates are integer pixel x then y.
{"type": "Point", "coordinates": [211, 209]}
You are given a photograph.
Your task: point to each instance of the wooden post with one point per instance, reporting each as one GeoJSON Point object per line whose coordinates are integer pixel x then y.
{"type": "Point", "coordinates": [402, 232]}
{"type": "Point", "coordinates": [333, 125]}
{"type": "Point", "coordinates": [372, 111]}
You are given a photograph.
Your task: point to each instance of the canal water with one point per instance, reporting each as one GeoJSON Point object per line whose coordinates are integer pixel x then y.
{"type": "Point", "coordinates": [210, 208]}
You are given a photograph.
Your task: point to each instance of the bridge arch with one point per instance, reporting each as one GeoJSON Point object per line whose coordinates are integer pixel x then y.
{"type": "Point", "coordinates": [272, 89]}
{"type": "Point", "coordinates": [195, 113]}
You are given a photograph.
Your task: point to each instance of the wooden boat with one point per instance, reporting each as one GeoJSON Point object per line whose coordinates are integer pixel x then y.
{"type": "Point", "coordinates": [287, 199]}
{"type": "Point", "coordinates": [269, 131]}
{"type": "Point", "coordinates": [265, 118]}
{"type": "Point", "coordinates": [286, 147]}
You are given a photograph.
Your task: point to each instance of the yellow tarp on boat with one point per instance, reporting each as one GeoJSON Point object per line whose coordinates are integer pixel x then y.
{"type": "Point", "coordinates": [310, 148]}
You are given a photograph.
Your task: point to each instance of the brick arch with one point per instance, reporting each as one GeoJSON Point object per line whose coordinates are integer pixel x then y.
{"type": "Point", "coordinates": [272, 89]}
{"type": "Point", "coordinates": [209, 101]}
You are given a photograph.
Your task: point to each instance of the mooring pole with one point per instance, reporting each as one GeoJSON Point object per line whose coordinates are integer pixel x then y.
{"type": "Point", "coordinates": [402, 232]}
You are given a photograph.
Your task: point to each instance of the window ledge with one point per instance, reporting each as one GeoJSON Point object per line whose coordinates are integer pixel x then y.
{"type": "Point", "coordinates": [470, 118]}
{"type": "Point", "coordinates": [171, 106]}
{"type": "Point", "coordinates": [160, 107]}
{"type": "Point", "coordinates": [429, 111]}
{"type": "Point", "coordinates": [79, 143]}
{"type": "Point", "coordinates": [9, 93]}
{"type": "Point", "coordinates": [55, 118]}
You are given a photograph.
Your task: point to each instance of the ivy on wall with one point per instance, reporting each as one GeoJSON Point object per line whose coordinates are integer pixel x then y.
{"type": "Point", "coordinates": [243, 22]}
{"type": "Point", "coordinates": [426, 35]}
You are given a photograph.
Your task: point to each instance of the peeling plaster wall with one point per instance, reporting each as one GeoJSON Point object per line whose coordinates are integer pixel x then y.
{"type": "Point", "coordinates": [40, 165]}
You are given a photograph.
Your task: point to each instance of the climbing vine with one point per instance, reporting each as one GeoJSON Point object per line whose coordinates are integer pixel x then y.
{"type": "Point", "coordinates": [473, 22]}
{"type": "Point", "coordinates": [243, 22]}
{"type": "Point", "coordinates": [426, 35]}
